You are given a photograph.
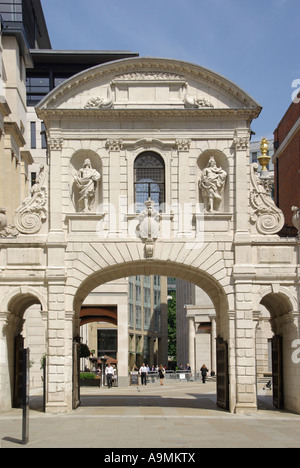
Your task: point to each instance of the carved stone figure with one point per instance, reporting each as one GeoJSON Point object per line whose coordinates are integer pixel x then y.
{"type": "Point", "coordinates": [86, 181]}
{"type": "Point", "coordinates": [149, 227]}
{"type": "Point", "coordinates": [212, 184]}
{"type": "Point", "coordinates": [100, 102]}
{"type": "Point", "coordinates": [296, 219]}
{"type": "Point", "coordinates": [6, 231]}
{"type": "Point", "coordinates": [196, 103]}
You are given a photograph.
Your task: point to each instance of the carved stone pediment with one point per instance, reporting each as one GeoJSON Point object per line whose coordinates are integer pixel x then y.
{"type": "Point", "coordinates": [266, 217]}
{"type": "Point", "coordinates": [147, 83]}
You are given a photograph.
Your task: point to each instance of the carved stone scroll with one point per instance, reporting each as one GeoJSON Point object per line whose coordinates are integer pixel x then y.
{"type": "Point", "coordinates": [265, 216]}
{"type": "Point", "coordinates": [30, 216]}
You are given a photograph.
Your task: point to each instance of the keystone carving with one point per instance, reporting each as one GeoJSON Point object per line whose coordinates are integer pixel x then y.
{"type": "Point", "coordinates": [148, 227]}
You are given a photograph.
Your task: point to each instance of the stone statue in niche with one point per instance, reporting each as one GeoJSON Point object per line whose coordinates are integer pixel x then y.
{"type": "Point", "coordinates": [86, 181]}
{"type": "Point", "coordinates": [212, 184]}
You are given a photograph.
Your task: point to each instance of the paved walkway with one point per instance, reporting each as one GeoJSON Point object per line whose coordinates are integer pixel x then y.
{"type": "Point", "coordinates": [179, 416]}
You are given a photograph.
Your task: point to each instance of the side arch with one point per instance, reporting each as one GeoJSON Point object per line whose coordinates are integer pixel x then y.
{"type": "Point", "coordinates": [19, 299]}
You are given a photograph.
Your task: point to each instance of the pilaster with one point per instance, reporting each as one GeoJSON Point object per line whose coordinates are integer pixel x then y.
{"type": "Point", "coordinates": [241, 144]}
{"type": "Point", "coordinates": [246, 396]}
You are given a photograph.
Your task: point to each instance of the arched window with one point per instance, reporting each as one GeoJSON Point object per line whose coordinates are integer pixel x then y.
{"type": "Point", "coordinates": [149, 179]}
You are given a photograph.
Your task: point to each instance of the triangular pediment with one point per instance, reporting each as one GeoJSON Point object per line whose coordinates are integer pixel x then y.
{"type": "Point", "coordinates": [148, 83]}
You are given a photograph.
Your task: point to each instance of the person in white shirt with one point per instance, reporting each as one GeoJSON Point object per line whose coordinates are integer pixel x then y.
{"type": "Point", "coordinates": [109, 372]}
{"type": "Point", "coordinates": [143, 373]}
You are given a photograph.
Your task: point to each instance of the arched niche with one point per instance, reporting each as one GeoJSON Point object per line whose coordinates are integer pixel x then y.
{"type": "Point", "coordinates": [221, 162]}
{"type": "Point", "coordinates": [76, 163]}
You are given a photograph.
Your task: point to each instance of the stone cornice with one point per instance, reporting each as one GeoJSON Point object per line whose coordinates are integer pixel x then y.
{"type": "Point", "coordinates": [148, 114]}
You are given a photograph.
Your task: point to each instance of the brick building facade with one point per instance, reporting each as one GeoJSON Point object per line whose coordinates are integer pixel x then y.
{"type": "Point", "coordinates": [287, 164]}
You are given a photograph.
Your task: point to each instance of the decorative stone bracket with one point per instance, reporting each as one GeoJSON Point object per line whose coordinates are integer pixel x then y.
{"type": "Point", "coordinates": [265, 216]}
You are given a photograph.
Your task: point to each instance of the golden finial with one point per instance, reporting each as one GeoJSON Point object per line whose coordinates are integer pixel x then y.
{"type": "Point", "coordinates": [264, 159]}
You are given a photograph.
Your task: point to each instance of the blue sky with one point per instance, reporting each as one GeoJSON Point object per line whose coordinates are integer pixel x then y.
{"type": "Point", "coordinates": [254, 43]}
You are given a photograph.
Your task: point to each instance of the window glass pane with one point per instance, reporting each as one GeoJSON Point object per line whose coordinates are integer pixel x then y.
{"type": "Point", "coordinates": [33, 135]}
{"type": "Point", "coordinates": [149, 179]}
{"type": "Point", "coordinates": [107, 342]}
{"type": "Point", "coordinates": [38, 84]}
{"type": "Point", "coordinates": [59, 80]}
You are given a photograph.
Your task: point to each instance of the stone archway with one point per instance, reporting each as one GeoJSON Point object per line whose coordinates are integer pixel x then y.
{"type": "Point", "coordinates": [281, 305]}
{"type": "Point", "coordinates": [155, 267]}
{"type": "Point", "coordinates": [193, 118]}
{"type": "Point", "coordinates": [15, 303]}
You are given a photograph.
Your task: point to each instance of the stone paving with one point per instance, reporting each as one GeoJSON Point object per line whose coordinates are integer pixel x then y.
{"type": "Point", "coordinates": [181, 416]}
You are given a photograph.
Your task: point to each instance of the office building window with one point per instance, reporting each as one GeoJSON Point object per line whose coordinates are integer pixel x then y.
{"type": "Point", "coordinates": [37, 88]}
{"type": "Point", "coordinates": [107, 343]}
{"type": "Point", "coordinates": [33, 135]}
{"type": "Point", "coordinates": [33, 179]}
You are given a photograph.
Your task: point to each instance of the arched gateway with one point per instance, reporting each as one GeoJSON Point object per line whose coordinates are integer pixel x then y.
{"type": "Point", "coordinates": [149, 174]}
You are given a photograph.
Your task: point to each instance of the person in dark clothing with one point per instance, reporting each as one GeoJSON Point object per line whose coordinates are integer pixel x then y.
{"type": "Point", "coordinates": [204, 372]}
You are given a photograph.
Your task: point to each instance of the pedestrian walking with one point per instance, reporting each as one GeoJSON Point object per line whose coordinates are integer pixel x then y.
{"type": "Point", "coordinates": [204, 372]}
{"type": "Point", "coordinates": [161, 373]}
{"type": "Point", "coordinates": [109, 372]}
{"type": "Point", "coordinates": [143, 374]}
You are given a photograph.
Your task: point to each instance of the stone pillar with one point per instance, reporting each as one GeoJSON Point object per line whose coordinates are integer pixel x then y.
{"type": "Point", "coordinates": [185, 212]}
{"type": "Point", "coordinates": [213, 344]}
{"type": "Point", "coordinates": [59, 352]}
{"type": "Point", "coordinates": [246, 396]}
{"type": "Point", "coordinates": [114, 147]}
{"type": "Point", "coordinates": [192, 337]}
{"type": "Point", "coordinates": [123, 345]}
{"type": "Point", "coordinates": [55, 183]}
{"type": "Point", "coordinates": [5, 381]}
{"type": "Point", "coordinates": [241, 142]}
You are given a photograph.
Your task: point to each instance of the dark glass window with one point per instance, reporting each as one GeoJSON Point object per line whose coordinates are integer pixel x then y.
{"type": "Point", "coordinates": [149, 179]}
{"type": "Point", "coordinates": [59, 80]}
{"type": "Point", "coordinates": [37, 88]}
{"type": "Point", "coordinates": [11, 10]}
{"type": "Point", "coordinates": [33, 135]}
{"type": "Point", "coordinates": [107, 343]}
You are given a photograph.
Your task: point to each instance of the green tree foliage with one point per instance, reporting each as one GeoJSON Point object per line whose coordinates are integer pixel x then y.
{"type": "Point", "coordinates": [172, 343]}
{"type": "Point", "coordinates": [84, 351]}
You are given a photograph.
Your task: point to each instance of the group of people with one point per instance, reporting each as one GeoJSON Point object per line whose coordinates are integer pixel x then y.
{"type": "Point", "coordinates": [144, 370]}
